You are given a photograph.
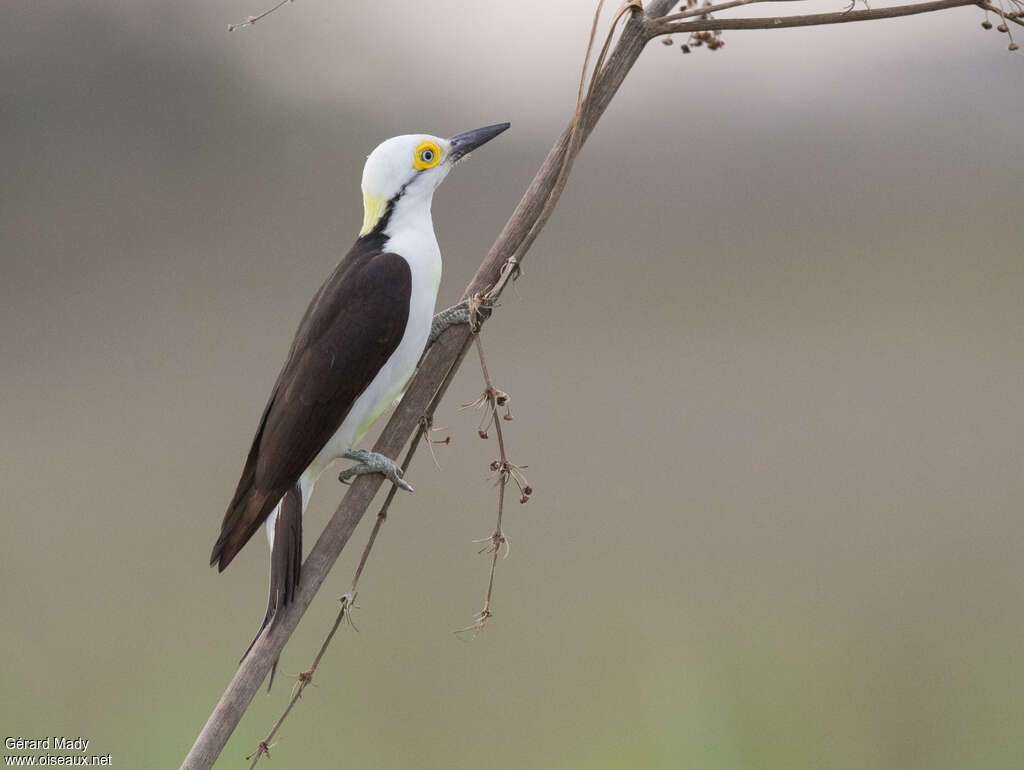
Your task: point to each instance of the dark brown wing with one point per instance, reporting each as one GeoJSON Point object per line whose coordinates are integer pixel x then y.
{"type": "Point", "coordinates": [349, 331]}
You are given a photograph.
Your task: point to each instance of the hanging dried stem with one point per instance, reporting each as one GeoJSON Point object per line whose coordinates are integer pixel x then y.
{"type": "Point", "coordinates": [493, 399]}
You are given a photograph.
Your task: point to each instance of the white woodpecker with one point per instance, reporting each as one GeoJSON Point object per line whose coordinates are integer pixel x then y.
{"type": "Point", "coordinates": [353, 354]}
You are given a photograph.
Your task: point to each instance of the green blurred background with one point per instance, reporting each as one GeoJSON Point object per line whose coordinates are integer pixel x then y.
{"type": "Point", "coordinates": [766, 364]}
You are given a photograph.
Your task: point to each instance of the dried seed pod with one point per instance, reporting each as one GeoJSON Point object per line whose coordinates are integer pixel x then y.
{"type": "Point", "coordinates": [986, 24]}
{"type": "Point", "coordinates": [684, 48]}
{"type": "Point", "coordinates": [666, 41]}
{"type": "Point", "coordinates": [1012, 47]}
{"type": "Point", "coordinates": [1003, 28]}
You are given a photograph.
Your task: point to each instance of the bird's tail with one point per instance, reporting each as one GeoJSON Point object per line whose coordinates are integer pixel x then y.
{"type": "Point", "coordinates": [285, 564]}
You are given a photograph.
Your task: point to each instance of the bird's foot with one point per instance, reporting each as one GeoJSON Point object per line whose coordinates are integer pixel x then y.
{"type": "Point", "coordinates": [455, 315]}
{"type": "Point", "coordinates": [373, 462]}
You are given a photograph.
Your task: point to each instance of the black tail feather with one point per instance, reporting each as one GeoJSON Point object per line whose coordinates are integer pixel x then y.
{"type": "Point", "coordinates": [285, 564]}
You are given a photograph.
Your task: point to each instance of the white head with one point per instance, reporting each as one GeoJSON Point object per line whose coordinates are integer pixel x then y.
{"type": "Point", "coordinates": [405, 170]}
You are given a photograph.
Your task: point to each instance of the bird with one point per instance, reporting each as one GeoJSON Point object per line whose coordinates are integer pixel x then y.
{"type": "Point", "coordinates": [356, 348]}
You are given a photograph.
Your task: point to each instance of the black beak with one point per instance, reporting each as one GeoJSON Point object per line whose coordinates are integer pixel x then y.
{"type": "Point", "coordinates": [463, 144]}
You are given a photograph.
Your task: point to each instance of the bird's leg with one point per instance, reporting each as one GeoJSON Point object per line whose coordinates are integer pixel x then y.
{"type": "Point", "coordinates": [453, 316]}
{"type": "Point", "coordinates": [373, 462]}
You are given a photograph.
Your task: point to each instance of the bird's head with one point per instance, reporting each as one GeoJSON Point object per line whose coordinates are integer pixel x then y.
{"type": "Point", "coordinates": [410, 168]}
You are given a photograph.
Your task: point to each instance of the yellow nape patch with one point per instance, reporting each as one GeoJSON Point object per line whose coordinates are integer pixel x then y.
{"type": "Point", "coordinates": [373, 210]}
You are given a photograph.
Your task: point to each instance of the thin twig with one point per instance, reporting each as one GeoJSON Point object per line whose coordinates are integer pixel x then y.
{"type": "Point", "coordinates": [701, 10]}
{"type": "Point", "coordinates": [580, 117]}
{"type": "Point", "coordinates": [253, 19]}
{"type": "Point", "coordinates": [506, 470]}
{"type": "Point", "coordinates": [658, 27]}
{"type": "Point", "coordinates": [1004, 27]}
{"type": "Point", "coordinates": [428, 427]}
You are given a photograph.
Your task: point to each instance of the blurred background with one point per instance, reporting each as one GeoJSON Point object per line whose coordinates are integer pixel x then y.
{"type": "Point", "coordinates": [766, 365]}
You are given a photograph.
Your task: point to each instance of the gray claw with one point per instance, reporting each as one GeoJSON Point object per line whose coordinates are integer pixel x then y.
{"type": "Point", "coordinates": [373, 462]}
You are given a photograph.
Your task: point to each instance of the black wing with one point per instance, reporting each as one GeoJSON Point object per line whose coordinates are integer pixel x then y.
{"type": "Point", "coordinates": [349, 331]}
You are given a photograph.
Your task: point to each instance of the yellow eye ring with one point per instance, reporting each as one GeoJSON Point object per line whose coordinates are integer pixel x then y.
{"type": "Point", "coordinates": [427, 155]}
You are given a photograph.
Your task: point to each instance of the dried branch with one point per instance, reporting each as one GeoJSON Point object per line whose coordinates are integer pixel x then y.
{"type": "Point", "coordinates": [659, 27]}
{"type": "Point", "coordinates": [494, 398]}
{"type": "Point", "coordinates": [580, 125]}
{"type": "Point", "coordinates": [253, 19]}
{"type": "Point", "coordinates": [705, 9]}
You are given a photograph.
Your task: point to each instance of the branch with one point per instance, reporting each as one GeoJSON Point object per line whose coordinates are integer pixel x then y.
{"type": "Point", "coordinates": [426, 389]}
{"type": "Point", "coordinates": [251, 20]}
{"type": "Point", "coordinates": [663, 27]}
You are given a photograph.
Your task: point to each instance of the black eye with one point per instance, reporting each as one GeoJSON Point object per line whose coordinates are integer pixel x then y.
{"type": "Point", "coordinates": [427, 155]}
